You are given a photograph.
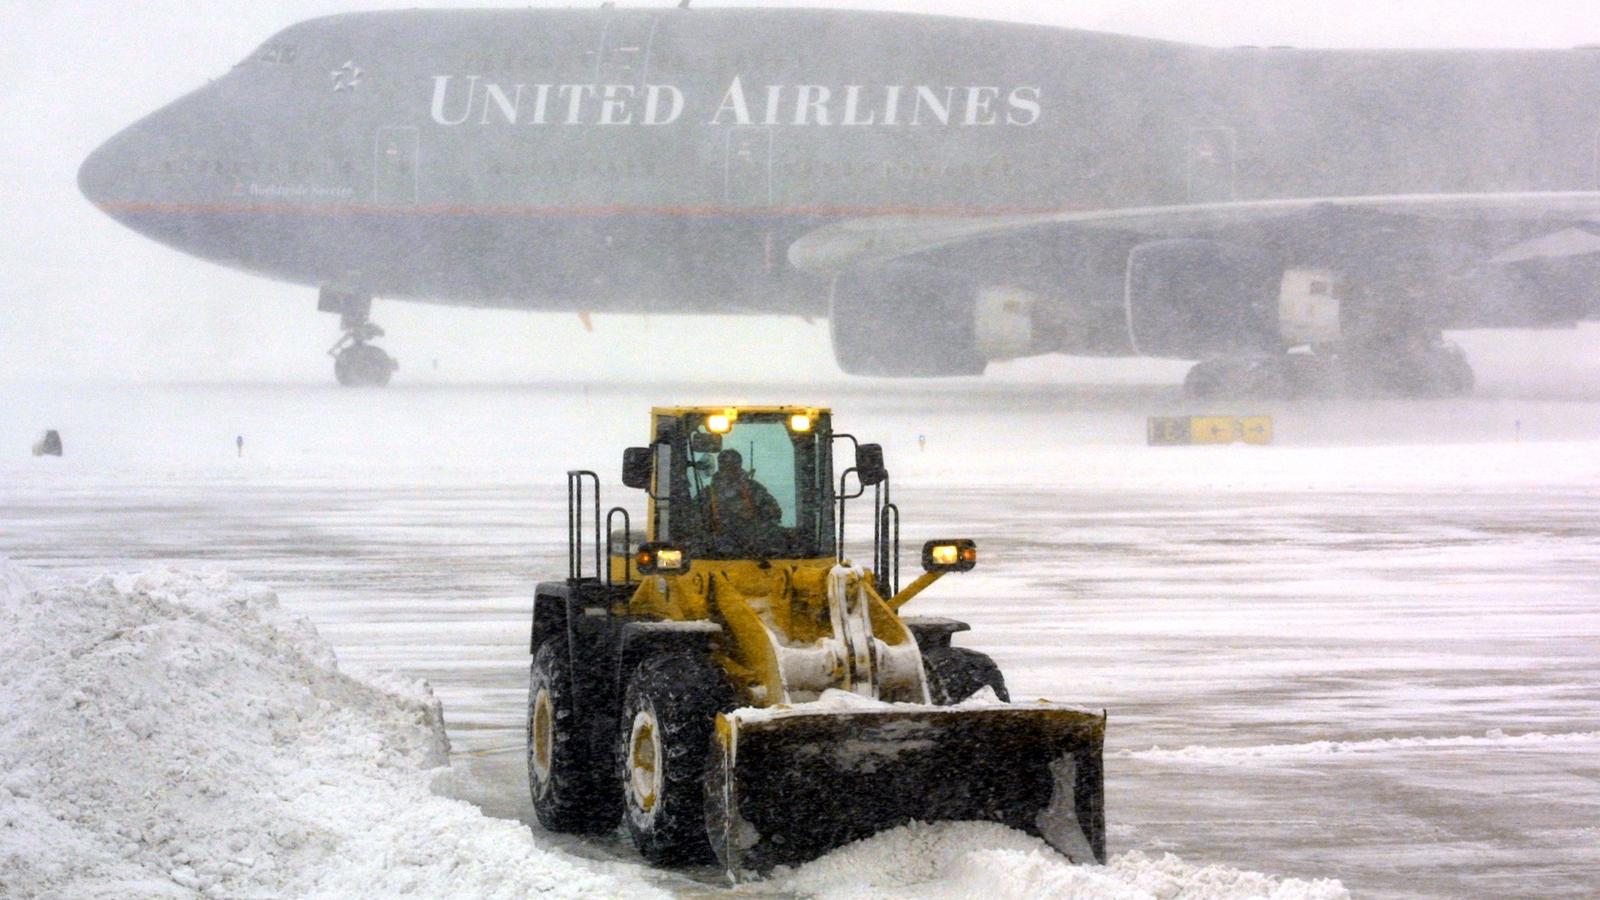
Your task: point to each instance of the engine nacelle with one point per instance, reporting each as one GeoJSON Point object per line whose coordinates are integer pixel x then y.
{"type": "Point", "coordinates": [910, 320]}
{"type": "Point", "coordinates": [1195, 299]}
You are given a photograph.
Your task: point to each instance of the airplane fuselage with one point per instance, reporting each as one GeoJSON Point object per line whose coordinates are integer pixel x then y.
{"type": "Point", "coordinates": [665, 160]}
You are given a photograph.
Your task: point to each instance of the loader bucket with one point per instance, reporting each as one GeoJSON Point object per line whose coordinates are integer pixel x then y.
{"type": "Point", "coordinates": [788, 785]}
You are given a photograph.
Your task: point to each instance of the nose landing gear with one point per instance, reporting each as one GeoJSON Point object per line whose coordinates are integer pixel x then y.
{"type": "Point", "coordinates": [356, 362]}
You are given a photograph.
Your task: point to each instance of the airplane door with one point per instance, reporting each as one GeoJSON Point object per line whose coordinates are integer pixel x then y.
{"type": "Point", "coordinates": [747, 174]}
{"type": "Point", "coordinates": [624, 56]}
{"type": "Point", "coordinates": [395, 166]}
{"type": "Point", "coordinates": [1211, 164]}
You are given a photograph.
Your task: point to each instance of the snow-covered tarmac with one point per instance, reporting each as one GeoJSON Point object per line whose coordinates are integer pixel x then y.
{"type": "Point", "coordinates": [1369, 653]}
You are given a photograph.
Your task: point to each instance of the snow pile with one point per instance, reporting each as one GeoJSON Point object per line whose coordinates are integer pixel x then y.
{"type": "Point", "coordinates": [980, 859]}
{"type": "Point", "coordinates": [170, 734]}
{"type": "Point", "coordinates": [1494, 738]}
{"type": "Point", "coordinates": [13, 580]}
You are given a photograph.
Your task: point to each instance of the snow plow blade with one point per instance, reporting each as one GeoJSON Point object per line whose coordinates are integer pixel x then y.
{"type": "Point", "coordinates": [786, 786]}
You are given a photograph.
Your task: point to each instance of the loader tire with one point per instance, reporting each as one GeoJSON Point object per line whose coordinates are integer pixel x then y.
{"type": "Point", "coordinates": [956, 673]}
{"type": "Point", "coordinates": [569, 778]}
{"type": "Point", "coordinates": [668, 715]}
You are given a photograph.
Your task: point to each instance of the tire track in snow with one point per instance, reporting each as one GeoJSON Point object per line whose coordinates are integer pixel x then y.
{"type": "Point", "coordinates": [1576, 741]}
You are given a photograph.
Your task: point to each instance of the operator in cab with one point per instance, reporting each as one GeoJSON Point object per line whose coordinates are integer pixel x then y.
{"type": "Point", "coordinates": [735, 504]}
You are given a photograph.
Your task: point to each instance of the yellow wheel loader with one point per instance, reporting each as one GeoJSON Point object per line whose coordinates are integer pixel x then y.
{"type": "Point", "coordinates": [729, 686]}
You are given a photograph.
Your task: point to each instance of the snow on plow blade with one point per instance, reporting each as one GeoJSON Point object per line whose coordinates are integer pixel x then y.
{"type": "Point", "coordinates": [786, 786]}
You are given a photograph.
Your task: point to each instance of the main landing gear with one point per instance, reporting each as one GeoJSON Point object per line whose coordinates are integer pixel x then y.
{"type": "Point", "coordinates": [1413, 368]}
{"type": "Point", "coordinates": [356, 362]}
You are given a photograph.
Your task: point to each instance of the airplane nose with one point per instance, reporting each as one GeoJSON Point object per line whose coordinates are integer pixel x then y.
{"type": "Point", "coordinates": [175, 175]}
{"type": "Point", "coordinates": [161, 158]}
{"type": "Point", "coordinates": [106, 175]}
{"type": "Point", "coordinates": [167, 158]}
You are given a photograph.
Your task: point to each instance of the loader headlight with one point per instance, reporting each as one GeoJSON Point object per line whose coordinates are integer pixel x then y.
{"type": "Point", "coordinates": [657, 558]}
{"type": "Point", "coordinates": [949, 556]}
{"type": "Point", "coordinates": [720, 423]}
{"type": "Point", "coordinates": [800, 423]}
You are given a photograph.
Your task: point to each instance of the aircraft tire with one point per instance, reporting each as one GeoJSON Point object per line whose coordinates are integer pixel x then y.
{"type": "Point", "coordinates": [1204, 381]}
{"type": "Point", "coordinates": [1312, 376]}
{"type": "Point", "coordinates": [1447, 372]}
{"type": "Point", "coordinates": [363, 365]}
{"type": "Point", "coordinates": [1441, 371]}
{"type": "Point", "coordinates": [1239, 378]}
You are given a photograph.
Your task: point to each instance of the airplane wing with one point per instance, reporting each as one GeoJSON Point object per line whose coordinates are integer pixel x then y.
{"type": "Point", "coordinates": [858, 242]}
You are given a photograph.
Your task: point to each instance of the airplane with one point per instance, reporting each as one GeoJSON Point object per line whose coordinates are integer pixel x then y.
{"type": "Point", "coordinates": [948, 192]}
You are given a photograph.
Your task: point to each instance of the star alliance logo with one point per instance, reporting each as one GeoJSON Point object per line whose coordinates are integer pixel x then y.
{"type": "Point", "coordinates": [346, 77]}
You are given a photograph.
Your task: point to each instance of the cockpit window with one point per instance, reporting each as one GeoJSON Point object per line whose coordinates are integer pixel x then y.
{"type": "Point", "coordinates": [276, 53]}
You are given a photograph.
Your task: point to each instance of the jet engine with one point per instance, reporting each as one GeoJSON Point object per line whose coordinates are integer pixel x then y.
{"type": "Point", "coordinates": [1196, 299]}
{"type": "Point", "coordinates": [911, 320]}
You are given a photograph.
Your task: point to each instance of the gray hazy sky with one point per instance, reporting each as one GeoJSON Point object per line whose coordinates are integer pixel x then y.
{"type": "Point", "coordinates": [80, 296]}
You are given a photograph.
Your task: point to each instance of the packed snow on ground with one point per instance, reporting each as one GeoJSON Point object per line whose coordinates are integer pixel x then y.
{"type": "Point", "coordinates": [981, 859]}
{"type": "Point", "coordinates": [1586, 742]}
{"type": "Point", "coordinates": [172, 734]}
{"type": "Point", "coordinates": [178, 734]}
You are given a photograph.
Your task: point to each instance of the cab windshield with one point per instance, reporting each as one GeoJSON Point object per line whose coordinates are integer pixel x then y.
{"type": "Point", "coordinates": [759, 490]}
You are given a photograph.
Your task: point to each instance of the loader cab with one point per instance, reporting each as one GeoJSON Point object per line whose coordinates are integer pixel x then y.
{"type": "Point", "coordinates": [745, 483]}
